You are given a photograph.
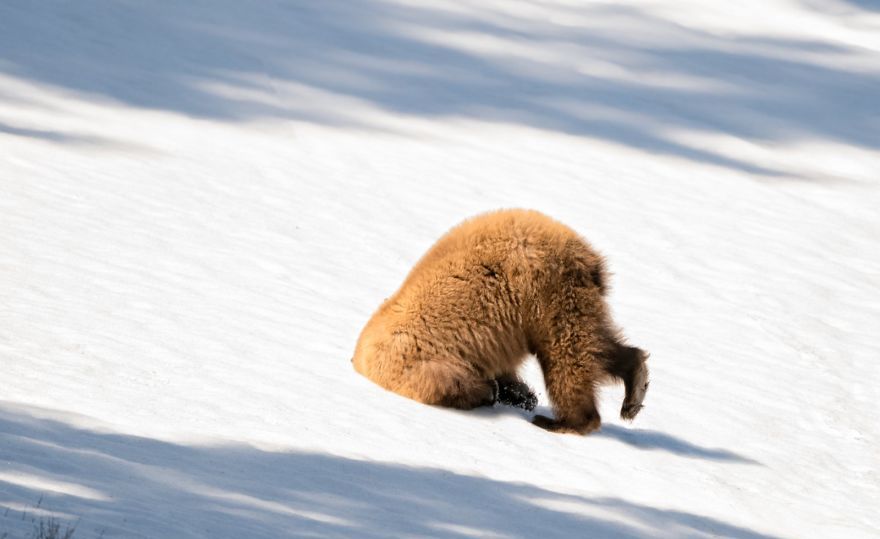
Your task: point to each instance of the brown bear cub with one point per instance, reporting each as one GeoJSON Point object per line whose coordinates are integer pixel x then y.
{"type": "Point", "coordinates": [491, 291]}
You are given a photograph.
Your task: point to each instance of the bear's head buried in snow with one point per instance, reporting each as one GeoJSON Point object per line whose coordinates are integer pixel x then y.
{"type": "Point", "coordinates": [491, 291]}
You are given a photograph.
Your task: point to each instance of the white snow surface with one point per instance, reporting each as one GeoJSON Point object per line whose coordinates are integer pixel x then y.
{"type": "Point", "coordinates": [202, 202]}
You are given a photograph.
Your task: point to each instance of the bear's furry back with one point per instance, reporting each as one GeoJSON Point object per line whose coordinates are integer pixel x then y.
{"type": "Point", "coordinates": [487, 293]}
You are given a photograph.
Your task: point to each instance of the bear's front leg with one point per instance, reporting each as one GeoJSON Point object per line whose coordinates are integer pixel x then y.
{"type": "Point", "coordinates": [570, 388]}
{"type": "Point", "coordinates": [568, 427]}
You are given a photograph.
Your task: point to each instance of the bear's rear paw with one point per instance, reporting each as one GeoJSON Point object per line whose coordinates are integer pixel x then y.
{"type": "Point", "coordinates": [633, 403]}
{"type": "Point", "coordinates": [630, 411]}
{"type": "Point", "coordinates": [564, 428]}
{"type": "Point", "coordinates": [517, 394]}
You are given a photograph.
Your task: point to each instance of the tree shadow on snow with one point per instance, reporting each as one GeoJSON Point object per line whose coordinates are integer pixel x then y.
{"type": "Point", "coordinates": [855, 5]}
{"type": "Point", "coordinates": [609, 71]}
{"type": "Point", "coordinates": [118, 484]}
{"type": "Point", "coordinates": [72, 139]}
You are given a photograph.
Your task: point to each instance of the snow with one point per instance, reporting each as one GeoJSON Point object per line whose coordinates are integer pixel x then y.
{"type": "Point", "coordinates": [201, 203]}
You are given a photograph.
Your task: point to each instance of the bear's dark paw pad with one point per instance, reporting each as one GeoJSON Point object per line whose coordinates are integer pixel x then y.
{"type": "Point", "coordinates": [517, 394]}
{"type": "Point", "coordinates": [530, 402]}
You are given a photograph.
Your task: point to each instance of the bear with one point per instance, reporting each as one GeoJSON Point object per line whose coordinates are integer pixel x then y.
{"type": "Point", "coordinates": [493, 290]}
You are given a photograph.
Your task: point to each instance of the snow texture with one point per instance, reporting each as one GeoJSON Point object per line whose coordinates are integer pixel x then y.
{"type": "Point", "coordinates": [202, 202]}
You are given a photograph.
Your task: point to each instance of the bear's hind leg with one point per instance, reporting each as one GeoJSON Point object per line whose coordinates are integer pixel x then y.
{"type": "Point", "coordinates": [471, 393]}
{"type": "Point", "coordinates": [449, 384]}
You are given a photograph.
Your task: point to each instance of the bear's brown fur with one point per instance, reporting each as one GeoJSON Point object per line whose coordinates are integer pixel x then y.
{"type": "Point", "coordinates": [492, 290]}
